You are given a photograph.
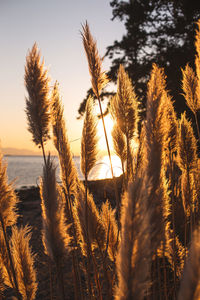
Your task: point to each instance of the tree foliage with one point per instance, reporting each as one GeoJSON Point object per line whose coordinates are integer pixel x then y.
{"type": "Point", "coordinates": [160, 32]}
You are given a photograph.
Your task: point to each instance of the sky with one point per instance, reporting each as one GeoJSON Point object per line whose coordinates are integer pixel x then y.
{"type": "Point", "coordinates": [55, 26]}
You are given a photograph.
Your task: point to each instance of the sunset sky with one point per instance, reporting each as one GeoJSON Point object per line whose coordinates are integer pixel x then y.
{"type": "Point", "coordinates": [55, 25]}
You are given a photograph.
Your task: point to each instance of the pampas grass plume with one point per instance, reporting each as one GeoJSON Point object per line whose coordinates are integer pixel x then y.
{"type": "Point", "coordinates": [119, 143]}
{"type": "Point", "coordinates": [55, 236]}
{"type": "Point", "coordinates": [98, 78]}
{"type": "Point", "coordinates": [135, 253]}
{"type": "Point", "coordinates": [68, 171]}
{"type": "Point", "coordinates": [6, 271]}
{"type": "Point", "coordinates": [89, 140]}
{"type": "Point", "coordinates": [190, 88]}
{"type": "Point", "coordinates": [24, 262]}
{"type": "Point", "coordinates": [109, 221]}
{"type": "Point", "coordinates": [37, 102]}
{"type": "Point", "coordinates": [8, 198]}
{"type": "Point", "coordinates": [124, 106]}
{"type": "Point", "coordinates": [187, 146]}
{"type": "Point", "coordinates": [96, 231]}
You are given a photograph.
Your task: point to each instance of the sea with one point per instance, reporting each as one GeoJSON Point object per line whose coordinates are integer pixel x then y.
{"type": "Point", "coordinates": [26, 171]}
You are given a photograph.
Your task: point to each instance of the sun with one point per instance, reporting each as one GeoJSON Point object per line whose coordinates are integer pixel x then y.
{"type": "Point", "coordinates": [100, 131]}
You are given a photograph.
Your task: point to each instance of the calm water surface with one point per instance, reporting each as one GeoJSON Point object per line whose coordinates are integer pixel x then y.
{"type": "Point", "coordinates": [27, 170]}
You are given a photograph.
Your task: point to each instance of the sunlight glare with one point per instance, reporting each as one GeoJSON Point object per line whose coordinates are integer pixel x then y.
{"type": "Point", "coordinates": [102, 168]}
{"type": "Point", "coordinates": [100, 131]}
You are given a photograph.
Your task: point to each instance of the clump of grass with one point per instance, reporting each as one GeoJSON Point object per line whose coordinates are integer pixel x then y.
{"type": "Point", "coordinates": [138, 253]}
{"type": "Point", "coordinates": [16, 258]}
{"type": "Point", "coordinates": [55, 237]}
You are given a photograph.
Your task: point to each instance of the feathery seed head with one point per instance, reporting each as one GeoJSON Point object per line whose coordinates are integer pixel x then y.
{"type": "Point", "coordinates": [89, 139]}
{"type": "Point", "coordinates": [24, 262]}
{"type": "Point", "coordinates": [156, 123]}
{"type": "Point", "coordinates": [172, 129]}
{"type": "Point", "coordinates": [57, 119]}
{"type": "Point", "coordinates": [55, 236]}
{"type": "Point", "coordinates": [119, 142]}
{"type": "Point", "coordinates": [134, 255]}
{"type": "Point", "coordinates": [111, 228]}
{"type": "Point", "coordinates": [191, 89]}
{"type": "Point", "coordinates": [187, 145]}
{"type": "Point", "coordinates": [98, 78]}
{"type": "Point", "coordinates": [124, 105]}
{"type": "Point", "coordinates": [189, 193]}
{"type": "Point", "coordinates": [96, 231]}
{"type": "Point", "coordinates": [61, 142]}
{"type": "Point", "coordinates": [8, 198]}
{"type": "Point", "coordinates": [6, 271]}
{"type": "Point", "coordinates": [37, 102]}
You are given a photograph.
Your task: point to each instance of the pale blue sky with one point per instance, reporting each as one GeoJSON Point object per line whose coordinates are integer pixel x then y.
{"type": "Point", "coordinates": [55, 25]}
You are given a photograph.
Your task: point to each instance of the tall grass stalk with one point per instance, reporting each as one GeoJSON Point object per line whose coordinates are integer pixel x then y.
{"type": "Point", "coordinates": [135, 252]}
{"type": "Point", "coordinates": [8, 216]}
{"type": "Point", "coordinates": [88, 160]}
{"type": "Point", "coordinates": [68, 174]}
{"type": "Point", "coordinates": [98, 80]}
{"type": "Point", "coordinates": [55, 238]}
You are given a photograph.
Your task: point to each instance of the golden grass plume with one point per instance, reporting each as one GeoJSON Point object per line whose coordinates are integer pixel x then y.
{"type": "Point", "coordinates": [119, 143]}
{"type": "Point", "coordinates": [191, 89]}
{"type": "Point", "coordinates": [135, 253]}
{"type": "Point", "coordinates": [24, 262]}
{"type": "Point", "coordinates": [55, 237]}
{"type": "Point", "coordinates": [61, 142]}
{"type": "Point", "coordinates": [124, 105]}
{"type": "Point", "coordinates": [98, 78]}
{"type": "Point", "coordinates": [187, 145]}
{"type": "Point", "coordinates": [96, 231]}
{"type": "Point", "coordinates": [8, 198]}
{"type": "Point", "coordinates": [37, 102]}
{"type": "Point", "coordinates": [89, 140]}
{"type": "Point", "coordinates": [111, 228]}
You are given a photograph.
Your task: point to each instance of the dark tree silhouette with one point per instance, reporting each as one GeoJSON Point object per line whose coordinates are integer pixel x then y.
{"type": "Point", "coordinates": [157, 31]}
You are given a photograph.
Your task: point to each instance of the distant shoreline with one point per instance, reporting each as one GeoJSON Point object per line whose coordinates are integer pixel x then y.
{"type": "Point", "coordinates": [32, 155]}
